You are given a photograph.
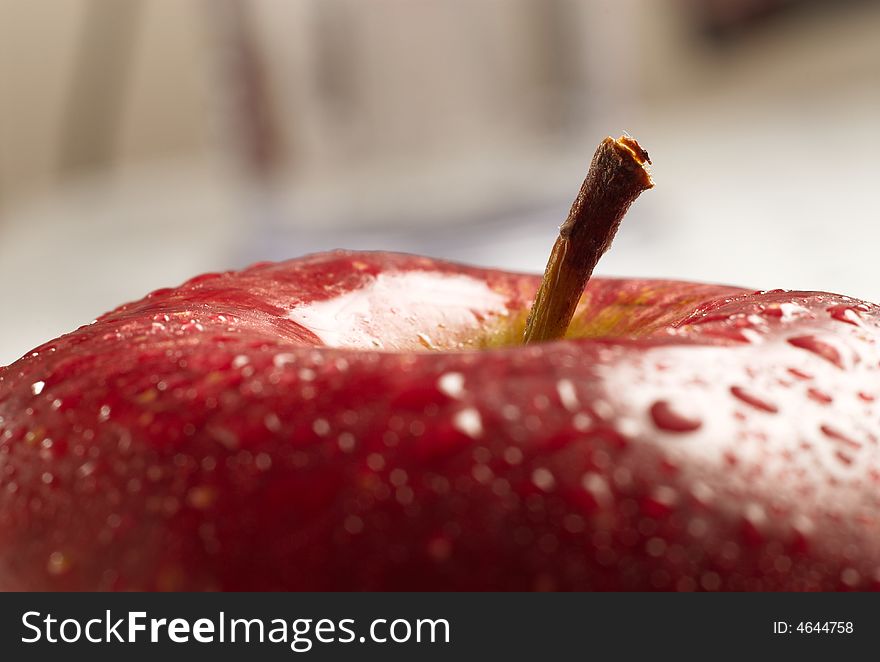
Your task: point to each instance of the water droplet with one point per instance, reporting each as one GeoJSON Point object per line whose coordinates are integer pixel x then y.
{"type": "Point", "coordinates": [837, 435]}
{"type": "Point", "coordinates": [224, 436]}
{"type": "Point", "coordinates": [353, 524]}
{"type": "Point", "coordinates": [803, 525]}
{"type": "Point", "coordinates": [104, 413]}
{"type": "Point", "coordinates": [321, 427]}
{"type": "Point", "coordinates": [818, 347]}
{"type": "Point", "coordinates": [201, 497]}
{"type": "Point", "coordinates": [439, 548]}
{"type": "Point", "coordinates": [452, 384]}
{"type": "Point", "coordinates": [753, 400]}
{"type": "Point", "coordinates": [147, 396]}
{"type": "Point", "coordinates": [603, 409]}
{"type": "Point", "coordinates": [819, 396]}
{"type": "Point", "coordinates": [263, 461]}
{"type": "Point", "coordinates": [850, 576]}
{"type": "Point", "coordinates": [800, 374]}
{"type": "Point", "coordinates": [281, 360]}
{"type": "Point", "coordinates": [543, 479]}
{"type": "Point", "coordinates": [660, 502]}
{"type": "Point", "coordinates": [426, 342]}
{"type": "Point", "coordinates": [622, 477]}
{"type": "Point", "coordinates": [375, 462]}
{"type": "Point", "coordinates": [702, 492]}
{"type": "Point", "coordinates": [582, 421]}
{"type": "Point", "coordinates": [398, 477]}
{"type": "Point", "coordinates": [844, 313]}
{"type": "Point", "coordinates": [574, 523]}
{"type": "Point", "coordinates": [667, 418]}
{"type": "Point", "coordinates": [501, 487]}
{"type": "Point", "coordinates": [37, 387]}
{"type": "Point", "coordinates": [58, 564]}
{"type": "Point", "coordinates": [482, 473]}
{"type": "Point", "coordinates": [755, 514]}
{"type": "Point", "coordinates": [709, 318]}
{"type": "Point", "coordinates": [513, 455]}
{"type": "Point", "coordinates": [469, 422]}
{"type": "Point", "coordinates": [710, 581]}
{"type": "Point", "coordinates": [567, 394]}
{"type": "Point", "coordinates": [272, 422]}
{"type": "Point", "coordinates": [697, 527]}
{"type": "Point", "coordinates": [655, 547]}
{"type": "Point", "coordinates": [346, 442]}
{"type": "Point", "coordinates": [628, 427]}
{"type": "Point", "coordinates": [482, 455]}
{"type": "Point", "coordinates": [510, 412]}
{"type": "Point", "coordinates": [784, 311]}
{"type": "Point", "coordinates": [792, 310]}
{"type": "Point", "coordinates": [596, 485]}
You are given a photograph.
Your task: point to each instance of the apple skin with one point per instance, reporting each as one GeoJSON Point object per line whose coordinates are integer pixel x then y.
{"type": "Point", "coordinates": [330, 423]}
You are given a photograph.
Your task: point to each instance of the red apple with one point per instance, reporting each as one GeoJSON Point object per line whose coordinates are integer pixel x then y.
{"type": "Point", "coordinates": [366, 421]}
{"type": "Point", "coordinates": [374, 421]}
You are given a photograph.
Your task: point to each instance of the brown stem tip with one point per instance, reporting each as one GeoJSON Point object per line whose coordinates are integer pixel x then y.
{"type": "Point", "coordinates": [617, 175]}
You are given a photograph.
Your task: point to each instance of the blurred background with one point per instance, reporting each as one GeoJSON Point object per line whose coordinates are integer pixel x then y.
{"type": "Point", "coordinates": [145, 141]}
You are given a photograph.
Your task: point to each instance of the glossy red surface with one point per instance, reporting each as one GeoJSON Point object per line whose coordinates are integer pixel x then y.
{"type": "Point", "coordinates": [359, 421]}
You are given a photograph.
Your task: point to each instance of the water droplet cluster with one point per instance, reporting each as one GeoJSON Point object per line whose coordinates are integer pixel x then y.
{"type": "Point", "coordinates": [207, 437]}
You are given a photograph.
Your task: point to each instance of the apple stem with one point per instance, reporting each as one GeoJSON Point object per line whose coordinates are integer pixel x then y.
{"type": "Point", "coordinates": [617, 175]}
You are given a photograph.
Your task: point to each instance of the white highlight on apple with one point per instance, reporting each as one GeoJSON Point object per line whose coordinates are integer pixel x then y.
{"type": "Point", "coordinates": [370, 317]}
